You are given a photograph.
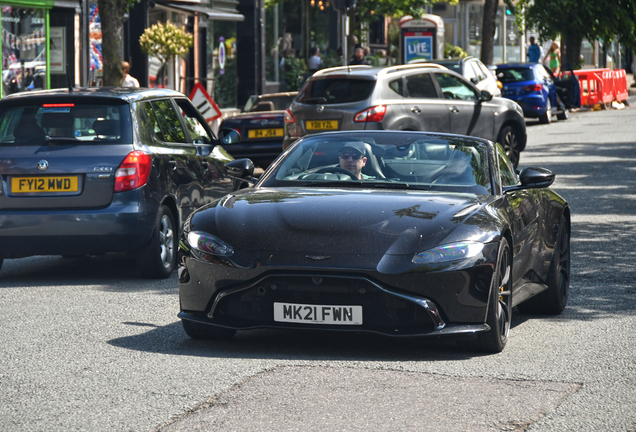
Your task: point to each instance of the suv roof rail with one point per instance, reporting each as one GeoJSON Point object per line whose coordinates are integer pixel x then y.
{"type": "Point", "coordinates": [340, 68]}
{"type": "Point", "coordinates": [391, 69]}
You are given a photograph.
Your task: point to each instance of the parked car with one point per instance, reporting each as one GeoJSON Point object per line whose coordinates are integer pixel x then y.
{"type": "Point", "coordinates": [474, 71]}
{"type": "Point", "coordinates": [261, 126]}
{"type": "Point", "coordinates": [436, 236]}
{"type": "Point", "coordinates": [535, 88]}
{"type": "Point", "coordinates": [99, 170]}
{"type": "Point", "coordinates": [418, 97]}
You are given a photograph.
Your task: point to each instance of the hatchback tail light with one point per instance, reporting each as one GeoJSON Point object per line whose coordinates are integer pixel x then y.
{"type": "Point", "coordinates": [133, 172]}
{"type": "Point", "coordinates": [289, 118]}
{"type": "Point", "coordinates": [534, 87]}
{"type": "Point", "coordinates": [373, 114]}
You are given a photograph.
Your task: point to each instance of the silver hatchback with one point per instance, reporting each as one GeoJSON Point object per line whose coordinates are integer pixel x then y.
{"type": "Point", "coordinates": [417, 97]}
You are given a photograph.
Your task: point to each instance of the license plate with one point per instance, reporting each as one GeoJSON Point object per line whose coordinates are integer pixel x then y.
{"type": "Point", "coordinates": [265, 133]}
{"type": "Point", "coordinates": [44, 184]}
{"type": "Point", "coordinates": [322, 124]}
{"type": "Point", "coordinates": [317, 314]}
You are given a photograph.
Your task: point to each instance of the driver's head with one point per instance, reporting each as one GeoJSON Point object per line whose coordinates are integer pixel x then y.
{"type": "Point", "coordinates": [352, 157]}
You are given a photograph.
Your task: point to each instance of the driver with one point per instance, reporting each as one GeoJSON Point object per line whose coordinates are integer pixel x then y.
{"type": "Point", "coordinates": [352, 158]}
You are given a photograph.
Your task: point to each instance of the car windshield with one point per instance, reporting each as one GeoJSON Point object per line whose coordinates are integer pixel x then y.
{"type": "Point", "coordinates": [515, 75]}
{"type": "Point", "coordinates": [55, 122]}
{"type": "Point", "coordinates": [336, 90]}
{"type": "Point", "coordinates": [397, 160]}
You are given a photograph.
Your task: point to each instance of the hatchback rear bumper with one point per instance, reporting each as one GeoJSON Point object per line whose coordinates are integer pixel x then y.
{"type": "Point", "coordinates": [117, 228]}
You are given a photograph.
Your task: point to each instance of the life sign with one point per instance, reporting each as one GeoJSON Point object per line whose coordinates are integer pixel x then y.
{"type": "Point", "coordinates": [418, 47]}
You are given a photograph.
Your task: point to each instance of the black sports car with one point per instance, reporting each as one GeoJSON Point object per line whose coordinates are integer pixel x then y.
{"type": "Point", "coordinates": [398, 233]}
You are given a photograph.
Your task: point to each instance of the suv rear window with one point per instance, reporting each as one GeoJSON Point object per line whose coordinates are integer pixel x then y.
{"type": "Point", "coordinates": [86, 122]}
{"type": "Point", "coordinates": [336, 90]}
{"type": "Point", "coordinates": [515, 75]}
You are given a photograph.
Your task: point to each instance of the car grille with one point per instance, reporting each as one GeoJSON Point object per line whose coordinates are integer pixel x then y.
{"type": "Point", "coordinates": [382, 311]}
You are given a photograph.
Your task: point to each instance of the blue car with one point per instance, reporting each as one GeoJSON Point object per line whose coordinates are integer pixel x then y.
{"type": "Point", "coordinates": [534, 88]}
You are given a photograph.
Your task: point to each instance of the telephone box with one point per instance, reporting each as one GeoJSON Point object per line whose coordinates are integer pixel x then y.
{"type": "Point", "coordinates": [421, 39]}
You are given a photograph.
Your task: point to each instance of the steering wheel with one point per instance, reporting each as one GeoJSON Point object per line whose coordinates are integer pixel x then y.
{"type": "Point", "coordinates": [336, 169]}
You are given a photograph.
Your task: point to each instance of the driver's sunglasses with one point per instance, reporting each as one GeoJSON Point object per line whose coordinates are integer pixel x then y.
{"type": "Point", "coordinates": [353, 156]}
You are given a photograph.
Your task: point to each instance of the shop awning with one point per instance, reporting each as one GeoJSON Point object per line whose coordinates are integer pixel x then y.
{"type": "Point", "coordinates": [212, 13]}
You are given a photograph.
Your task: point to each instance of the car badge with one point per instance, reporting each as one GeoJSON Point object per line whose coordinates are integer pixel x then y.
{"type": "Point", "coordinates": [320, 108]}
{"type": "Point", "coordinates": [318, 257]}
{"type": "Point", "coordinates": [43, 165]}
{"type": "Point", "coordinates": [263, 122]}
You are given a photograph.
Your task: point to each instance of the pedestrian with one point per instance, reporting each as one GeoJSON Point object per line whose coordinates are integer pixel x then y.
{"type": "Point", "coordinates": [554, 58]}
{"type": "Point", "coordinates": [534, 51]}
{"type": "Point", "coordinates": [127, 79]}
{"type": "Point", "coordinates": [358, 57]}
{"type": "Point", "coordinates": [314, 63]}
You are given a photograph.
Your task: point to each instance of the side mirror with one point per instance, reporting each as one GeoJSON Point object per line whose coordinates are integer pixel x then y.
{"type": "Point", "coordinates": [229, 136]}
{"type": "Point", "coordinates": [485, 96]}
{"type": "Point", "coordinates": [474, 80]}
{"type": "Point", "coordinates": [536, 177]}
{"type": "Point", "coordinates": [240, 168]}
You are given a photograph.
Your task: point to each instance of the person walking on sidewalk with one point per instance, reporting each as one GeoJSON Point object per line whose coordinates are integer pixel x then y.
{"type": "Point", "coordinates": [127, 79]}
{"type": "Point", "coordinates": [534, 51]}
{"type": "Point", "coordinates": [554, 56]}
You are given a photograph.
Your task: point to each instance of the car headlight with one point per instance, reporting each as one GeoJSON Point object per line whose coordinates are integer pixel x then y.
{"type": "Point", "coordinates": [449, 252]}
{"type": "Point", "coordinates": [207, 243]}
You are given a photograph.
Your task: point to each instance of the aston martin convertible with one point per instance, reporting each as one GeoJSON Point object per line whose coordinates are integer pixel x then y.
{"type": "Point", "coordinates": [406, 234]}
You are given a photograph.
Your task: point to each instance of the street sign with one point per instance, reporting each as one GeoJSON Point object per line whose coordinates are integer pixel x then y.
{"type": "Point", "coordinates": [206, 105]}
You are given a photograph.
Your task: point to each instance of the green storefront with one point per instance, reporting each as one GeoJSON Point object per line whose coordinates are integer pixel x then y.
{"type": "Point", "coordinates": [38, 39]}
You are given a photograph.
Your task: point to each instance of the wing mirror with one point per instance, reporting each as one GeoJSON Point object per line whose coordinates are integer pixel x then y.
{"type": "Point", "coordinates": [240, 168]}
{"type": "Point", "coordinates": [533, 177]}
{"type": "Point", "coordinates": [229, 136]}
{"type": "Point", "coordinates": [485, 96]}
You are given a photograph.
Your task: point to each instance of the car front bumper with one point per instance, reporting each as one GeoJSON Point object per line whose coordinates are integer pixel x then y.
{"type": "Point", "coordinates": [452, 301]}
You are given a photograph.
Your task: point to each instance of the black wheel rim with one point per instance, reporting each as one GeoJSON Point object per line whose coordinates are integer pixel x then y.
{"type": "Point", "coordinates": [510, 146]}
{"type": "Point", "coordinates": [166, 240]}
{"type": "Point", "coordinates": [504, 303]}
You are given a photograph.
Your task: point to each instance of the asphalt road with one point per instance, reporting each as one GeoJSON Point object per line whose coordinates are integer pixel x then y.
{"type": "Point", "coordinates": [89, 346]}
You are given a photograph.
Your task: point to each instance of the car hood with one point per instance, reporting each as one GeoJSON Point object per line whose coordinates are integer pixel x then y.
{"type": "Point", "coordinates": [319, 222]}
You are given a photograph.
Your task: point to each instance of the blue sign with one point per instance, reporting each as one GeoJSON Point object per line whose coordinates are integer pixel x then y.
{"type": "Point", "coordinates": [418, 48]}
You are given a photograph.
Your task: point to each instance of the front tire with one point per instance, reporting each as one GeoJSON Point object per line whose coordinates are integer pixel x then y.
{"type": "Point", "coordinates": [206, 332]}
{"type": "Point", "coordinates": [499, 317]}
{"type": "Point", "coordinates": [509, 140]}
{"type": "Point", "coordinates": [158, 259]}
{"type": "Point", "coordinates": [553, 300]}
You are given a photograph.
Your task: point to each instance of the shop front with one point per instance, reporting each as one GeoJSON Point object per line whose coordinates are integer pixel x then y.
{"type": "Point", "coordinates": [38, 50]}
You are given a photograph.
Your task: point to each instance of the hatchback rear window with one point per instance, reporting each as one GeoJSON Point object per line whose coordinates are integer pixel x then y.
{"type": "Point", "coordinates": [515, 75]}
{"type": "Point", "coordinates": [336, 91]}
{"type": "Point", "coordinates": [54, 122]}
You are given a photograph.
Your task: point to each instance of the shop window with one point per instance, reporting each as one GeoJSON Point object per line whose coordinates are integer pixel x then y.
{"type": "Point", "coordinates": [23, 49]}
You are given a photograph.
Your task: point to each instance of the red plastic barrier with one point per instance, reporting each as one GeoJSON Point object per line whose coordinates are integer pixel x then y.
{"type": "Point", "coordinates": [620, 85]}
{"type": "Point", "coordinates": [601, 86]}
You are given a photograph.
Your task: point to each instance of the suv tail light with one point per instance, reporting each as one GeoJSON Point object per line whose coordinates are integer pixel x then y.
{"type": "Point", "coordinates": [534, 87]}
{"type": "Point", "coordinates": [289, 118]}
{"type": "Point", "coordinates": [133, 172]}
{"type": "Point", "coordinates": [373, 114]}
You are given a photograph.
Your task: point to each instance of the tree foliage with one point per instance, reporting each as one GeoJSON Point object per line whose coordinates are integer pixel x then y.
{"type": "Point", "coordinates": [165, 41]}
{"type": "Point", "coordinates": [575, 20]}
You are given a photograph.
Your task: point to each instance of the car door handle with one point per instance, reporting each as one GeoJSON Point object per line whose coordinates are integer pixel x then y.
{"type": "Point", "coordinates": [416, 110]}
{"type": "Point", "coordinates": [454, 109]}
{"type": "Point", "coordinates": [173, 165]}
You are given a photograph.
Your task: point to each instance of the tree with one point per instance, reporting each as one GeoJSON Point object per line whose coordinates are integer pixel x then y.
{"type": "Point", "coordinates": [165, 41]}
{"type": "Point", "coordinates": [575, 20]}
{"type": "Point", "coordinates": [110, 16]}
{"type": "Point", "coordinates": [488, 31]}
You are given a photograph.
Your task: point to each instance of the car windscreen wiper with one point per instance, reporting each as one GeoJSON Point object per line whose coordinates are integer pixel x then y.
{"type": "Point", "coordinates": [392, 184]}
{"type": "Point", "coordinates": [319, 99]}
